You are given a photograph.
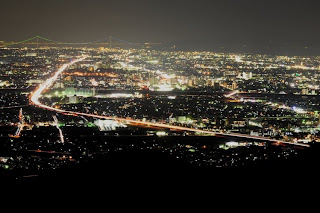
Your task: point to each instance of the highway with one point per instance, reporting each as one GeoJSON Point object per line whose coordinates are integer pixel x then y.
{"type": "Point", "coordinates": [37, 93]}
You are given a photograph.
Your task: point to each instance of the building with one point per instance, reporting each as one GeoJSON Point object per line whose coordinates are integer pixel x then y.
{"type": "Point", "coordinates": [34, 81]}
{"type": "Point", "coordinates": [73, 99]}
{"type": "Point", "coordinates": [4, 83]}
{"type": "Point", "coordinates": [58, 85]}
{"type": "Point", "coordinates": [216, 86]}
{"type": "Point", "coordinates": [210, 82]}
{"type": "Point", "coordinates": [247, 75]}
{"type": "Point", "coordinates": [153, 81]}
{"type": "Point", "coordinates": [68, 78]}
{"type": "Point", "coordinates": [234, 85]}
{"type": "Point", "coordinates": [239, 123]}
{"type": "Point", "coordinates": [31, 54]}
{"type": "Point", "coordinates": [305, 91]}
{"type": "Point", "coordinates": [93, 91]}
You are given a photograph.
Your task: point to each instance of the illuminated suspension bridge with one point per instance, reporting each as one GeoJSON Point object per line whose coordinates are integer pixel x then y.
{"type": "Point", "coordinates": [45, 41]}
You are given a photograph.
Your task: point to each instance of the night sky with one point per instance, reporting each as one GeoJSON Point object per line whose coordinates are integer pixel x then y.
{"type": "Point", "coordinates": [280, 26]}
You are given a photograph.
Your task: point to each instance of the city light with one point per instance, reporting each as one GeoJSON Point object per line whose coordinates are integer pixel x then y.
{"type": "Point", "coordinates": [298, 110]}
{"type": "Point", "coordinates": [218, 96]}
{"type": "Point", "coordinates": [166, 95]}
{"type": "Point", "coordinates": [37, 94]}
{"type": "Point", "coordinates": [238, 59]}
{"type": "Point", "coordinates": [120, 95]}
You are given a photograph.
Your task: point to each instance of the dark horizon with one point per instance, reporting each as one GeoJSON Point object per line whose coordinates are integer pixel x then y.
{"type": "Point", "coordinates": [267, 26]}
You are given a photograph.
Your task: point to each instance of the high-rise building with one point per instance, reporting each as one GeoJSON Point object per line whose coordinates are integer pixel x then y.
{"type": "Point", "coordinates": [195, 80]}
{"type": "Point", "coordinates": [152, 79]}
{"type": "Point", "coordinates": [305, 91]}
{"type": "Point", "coordinates": [234, 85]}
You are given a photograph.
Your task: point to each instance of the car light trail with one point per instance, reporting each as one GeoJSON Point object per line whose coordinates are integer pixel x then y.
{"type": "Point", "coordinates": [20, 125]}
{"type": "Point", "coordinates": [232, 94]}
{"type": "Point", "coordinates": [56, 123]}
{"type": "Point", "coordinates": [35, 96]}
{"type": "Point", "coordinates": [37, 93]}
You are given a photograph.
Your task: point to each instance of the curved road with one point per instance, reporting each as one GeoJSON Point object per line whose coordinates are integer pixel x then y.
{"type": "Point", "coordinates": [37, 93]}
